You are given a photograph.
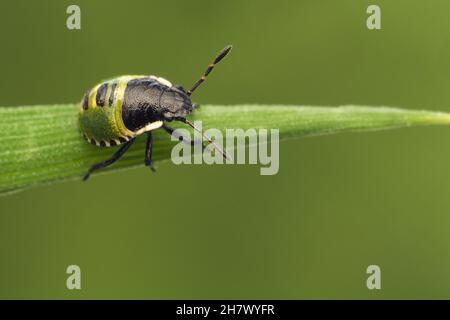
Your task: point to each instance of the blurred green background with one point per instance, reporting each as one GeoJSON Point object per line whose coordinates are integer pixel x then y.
{"type": "Point", "coordinates": [338, 204]}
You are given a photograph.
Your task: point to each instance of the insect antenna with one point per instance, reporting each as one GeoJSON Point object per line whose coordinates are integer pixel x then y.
{"type": "Point", "coordinates": [208, 70]}
{"type": "Point", "coordinates": [211, 141]}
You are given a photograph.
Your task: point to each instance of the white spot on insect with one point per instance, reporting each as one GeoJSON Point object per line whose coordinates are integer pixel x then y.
{"type": "Point", "coordinates": [151, 126]}
{"type": "Point", "coordinates": [162, 81]}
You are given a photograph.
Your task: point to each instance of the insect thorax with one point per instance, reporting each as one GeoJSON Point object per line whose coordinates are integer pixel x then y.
{"type": "Point", "coordinates": [147, 100]}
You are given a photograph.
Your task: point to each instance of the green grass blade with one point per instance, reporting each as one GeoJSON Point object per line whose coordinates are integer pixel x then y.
{"type": "Point", "coordinates": [42, 144]}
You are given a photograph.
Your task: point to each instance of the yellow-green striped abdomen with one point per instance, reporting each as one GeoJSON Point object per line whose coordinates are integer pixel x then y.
{"type": "Point", "coordinates": [100, 116]}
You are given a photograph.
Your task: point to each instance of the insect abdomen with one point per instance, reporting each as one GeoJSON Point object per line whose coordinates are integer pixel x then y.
{"type": "Point", "coordinates": [100, 116]}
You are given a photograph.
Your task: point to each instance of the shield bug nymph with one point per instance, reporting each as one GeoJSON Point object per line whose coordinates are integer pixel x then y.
{"type": "Point", "coordinates": [116, 111]}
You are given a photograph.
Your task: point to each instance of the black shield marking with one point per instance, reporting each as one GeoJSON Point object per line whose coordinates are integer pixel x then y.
{"type": "Point", "coordinates": [85, 102]}
{"type": "Point", "coordinates": [101, 94]}
{"type": "Point", "coordinates": [111, 96]}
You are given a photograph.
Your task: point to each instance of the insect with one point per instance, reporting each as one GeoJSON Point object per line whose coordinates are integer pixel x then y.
{"type": "Point", "coordinates": [116, 111]}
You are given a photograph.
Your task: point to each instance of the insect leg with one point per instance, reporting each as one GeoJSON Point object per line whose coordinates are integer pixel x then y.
{"type": "Point", "coordinates": [148, 151]}
{"type": "Point", "coordinates": [170, 131]}
{"type": "Point", "coordinates": [211, 141]}
{"type": "Point", "coordinates": [116, 156]}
